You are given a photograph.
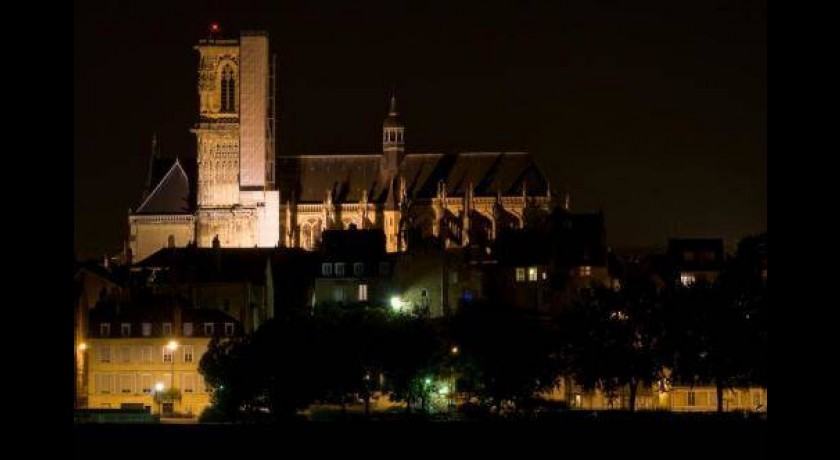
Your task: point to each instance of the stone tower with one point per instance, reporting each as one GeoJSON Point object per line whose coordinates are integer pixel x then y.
{"type": "Point", "coordinates": [393, 140]}
{"type": "Point", "coordinates": [237, 200]}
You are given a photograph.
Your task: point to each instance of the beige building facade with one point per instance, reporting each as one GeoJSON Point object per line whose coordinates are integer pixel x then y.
{"type": "Point", "coordinates": [132, 371]}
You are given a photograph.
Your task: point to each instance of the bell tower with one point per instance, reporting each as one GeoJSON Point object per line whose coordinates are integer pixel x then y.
{"type": "Point", "coordinates": [217, 130]}
{"type": "Point", "coordinates": [237, 199]}
{"type": "Point", "coordinates": [393, 140]}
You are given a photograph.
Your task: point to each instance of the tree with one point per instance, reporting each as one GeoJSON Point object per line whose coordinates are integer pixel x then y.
{"type": "Point", "coordinates": [614, 339]}
{"type": "Point", "coordinates": [504, 356]}
{"type": "Point", "coordinates": [710, 340]}
{"type": "Point", "coordinates": [407, 358]}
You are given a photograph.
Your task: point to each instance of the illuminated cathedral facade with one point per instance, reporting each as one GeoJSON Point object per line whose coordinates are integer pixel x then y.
{"type": "Point", "coordinates": [241, 194]}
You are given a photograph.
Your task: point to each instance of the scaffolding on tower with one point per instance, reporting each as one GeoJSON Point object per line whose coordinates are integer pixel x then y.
{"type": "Point", "coordinates": [270, 125]}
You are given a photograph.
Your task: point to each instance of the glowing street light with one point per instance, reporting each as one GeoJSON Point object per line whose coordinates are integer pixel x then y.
{"type": "Point", "coordinates": [82, 346]}
{"type": "Point", "coordinates": [443, 390]}
{"type": "Point", "coordinates": [396, 303]}
{"type": "Point", "coordinates": [159, 389]}
{"type": "Point", "coordinates": [454, 349]}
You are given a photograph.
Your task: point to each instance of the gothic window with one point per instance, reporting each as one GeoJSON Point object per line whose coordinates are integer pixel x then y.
{"type": "Point", "coordinates": [307, 236]}
{"type": "Point", "coordinates": [228, 90]}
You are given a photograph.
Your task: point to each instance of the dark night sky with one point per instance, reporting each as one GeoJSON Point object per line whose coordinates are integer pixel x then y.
{"type": "Point", "coordinates": [654, 111]}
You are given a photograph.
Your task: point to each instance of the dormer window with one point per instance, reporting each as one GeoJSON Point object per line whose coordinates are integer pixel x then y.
{"type": "Point", "coordinates": [125, 329]}
{"type": "Point", "coordinates": [208, 328]}
{"type": "Point", "coordinates": [104, 330]}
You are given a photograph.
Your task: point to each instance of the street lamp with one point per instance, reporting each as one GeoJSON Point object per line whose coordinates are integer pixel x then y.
{"type": "Point", "coordinates": [451, 393]}
{"type": "Point", "coordinates": [158, 391]}
{"type": "Point", "coordinates": [172, 346]}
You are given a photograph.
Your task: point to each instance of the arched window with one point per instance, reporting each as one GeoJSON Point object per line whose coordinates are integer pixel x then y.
{"type": "Point", "coordinates": [228, 90]}
{"type": "Point", "coordinates": [171, 241]}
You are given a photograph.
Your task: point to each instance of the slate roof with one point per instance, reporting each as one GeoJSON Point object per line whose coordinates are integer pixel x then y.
{"type": "Point", "coordinates": [309, 177]}
{"type": "Point", "coordinates": [172, 193]}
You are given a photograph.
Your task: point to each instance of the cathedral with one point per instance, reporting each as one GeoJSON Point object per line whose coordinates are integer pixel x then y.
{"type": "Point", "coordinates": [240, 193]}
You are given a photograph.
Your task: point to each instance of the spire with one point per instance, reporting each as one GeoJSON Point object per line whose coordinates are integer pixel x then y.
{"type": "Point", "coordinates": [393, 109]}
{"type": "Point", "coordinates": [154, 155]}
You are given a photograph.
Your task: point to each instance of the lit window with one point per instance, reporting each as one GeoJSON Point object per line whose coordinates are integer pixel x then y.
{"type": "Point", "coordinates": [520, 274]}
{"type": "Point", "coordinates": [126, 383]}
{"type": "Point", "coordinates": [104, 330]}
{"type": "Point", "coordinates": [104, 354]}
{"type": "Point", "coordinates": [532, 273]}
{"type": "Point", "coordinates": [189, 383]}
{"type": "Point", "coordinates": [229, 329]}
{"type": "Point", "coordinates": [167, 328]}
{"type": "Point", "coordinates": [586, 270]}
{"type": "Point", "coordinates": [208, 329]}
{"type": "Point", "coordinates": [326, 269]}
{"type": "Point", "coordinates": [338, 294]}
{"type": "Point", "coordinates": [147, 329]}
{"type": "Point", "coordinates": [363, 292]}
{"type": "Point", "coordinates": [188, 329]}
{"type": "Point", "coordinates": [687, 279]}
{"type": "Point", "coordinates": [104, 383]}
{"type": "Point", "coordinates": [125, 354]}
{"type": "Point", "coordinates": [146, 355]}
{"type": "Point", "coordinates": [188, 353]}
{"type": "Point", "coordinates": [339, 269]}
{"type": "Point", "coordinates": [125, 329]}
{"type": "Point", "coordinates": [756, 397]}
{"type": "Point", "coordinates": [453, 276]}
{"type": "Point", "coordinates": [167, 355]}
{"type": "Point", "coordinates": [146, 383]}
{"type": "Point", "coordinates": [358, 269]}
{"type": "Point", "coordinates": [692, 398]}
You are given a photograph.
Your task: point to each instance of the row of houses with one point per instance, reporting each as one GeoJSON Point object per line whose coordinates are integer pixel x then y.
{"type": "Point", "coordinates": [141, 330]}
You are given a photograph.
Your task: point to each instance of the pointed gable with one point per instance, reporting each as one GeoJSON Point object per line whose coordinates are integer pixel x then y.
{"type": "Point", "coordinates": [171, 195]}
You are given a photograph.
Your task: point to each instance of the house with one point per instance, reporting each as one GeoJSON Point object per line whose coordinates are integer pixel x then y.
{"type": "Point", "coordinates": [695, 260]}
{"type": "Point", "coordinates": [145, 353]}
{"type": "Point", "coordinates": [352, 268]}
{"type": "Point", "coordinates": [244, 283]}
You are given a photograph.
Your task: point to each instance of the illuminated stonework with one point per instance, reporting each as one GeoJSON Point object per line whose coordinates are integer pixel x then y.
{"type": "Point", "coordinates": [244, 196]}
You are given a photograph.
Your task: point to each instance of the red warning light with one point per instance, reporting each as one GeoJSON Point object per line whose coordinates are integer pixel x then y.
{"type": "Point", "coordinates": [214, 27]}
